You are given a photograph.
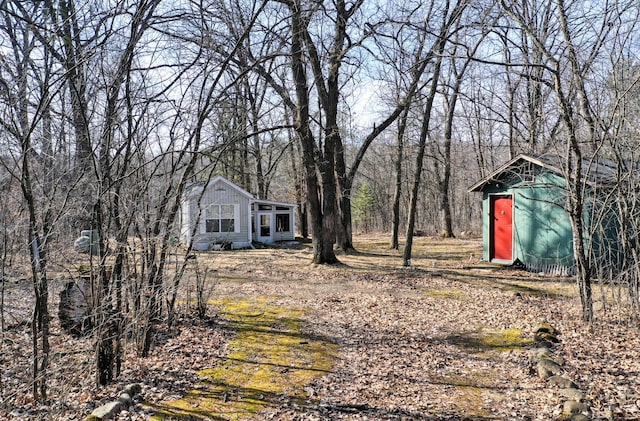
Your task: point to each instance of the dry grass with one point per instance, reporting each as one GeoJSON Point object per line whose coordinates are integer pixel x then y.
{"type": "Point", "coordinates": [443, 340]}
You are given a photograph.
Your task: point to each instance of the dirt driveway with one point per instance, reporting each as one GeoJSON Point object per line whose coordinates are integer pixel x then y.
{"type": "Point", "coordinates": [446, 339]}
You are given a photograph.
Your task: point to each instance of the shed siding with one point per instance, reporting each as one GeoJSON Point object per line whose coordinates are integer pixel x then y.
{"type": "Point", "coordinates": [542, 229]}
{"type": "Point", "coordinates": [542, 237]}
{"type": "Point", "coordinates": [222, 194]}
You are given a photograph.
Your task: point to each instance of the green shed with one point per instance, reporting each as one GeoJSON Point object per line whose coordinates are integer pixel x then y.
{"type": "Point", "coordinates": [524, 216]}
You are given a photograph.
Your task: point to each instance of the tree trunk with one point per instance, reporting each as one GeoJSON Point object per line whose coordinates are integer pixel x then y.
{"type": "Point", "coordinates": [322, 210]}
{"type": "Point", "coordinates": [40, 322]}
{"type": "Point", "coordinates": [424, 134]}
{"type": "Point", "coordinates": [344, 231]}
{"type": "Point", "coordinates": [576, 186]}
{"type": "Point", "coordinates": [324, 254]}
{"type": "Point", "coordinates": [73, 61]}
{"type": "Point", "coordinates": [583, 269]}
{"type": "Point", "coordinates": [105, 357]}
{"type": "Point", "coordinates": [397, 193]}
{"type": "Point", "coordinates": [444, 183]}
{"type": "Point", "coordinates": [38, 252]}
{"type": "Point", "coordinates": [301, 209]}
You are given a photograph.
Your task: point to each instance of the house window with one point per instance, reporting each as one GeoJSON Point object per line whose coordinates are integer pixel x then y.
{"type": "Point", "coordinates": [220, 218]}
{"type": "Point", "coordinates": [283, 222]}
{"type": "Point", "coordinates": [265, 225]}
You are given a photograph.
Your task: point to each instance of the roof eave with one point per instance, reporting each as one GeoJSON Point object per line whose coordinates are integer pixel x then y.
{"type": "Point", "coordinates": [493, 176]}
{"type": "Point", "coordinates": [273, 203]}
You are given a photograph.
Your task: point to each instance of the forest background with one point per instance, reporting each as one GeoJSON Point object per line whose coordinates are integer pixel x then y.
{"type": "Point", "coordinates": [370, 115]}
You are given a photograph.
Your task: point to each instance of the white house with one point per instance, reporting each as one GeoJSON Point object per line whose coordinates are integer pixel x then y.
{"type": "Point", "coordinates": [221, 213]}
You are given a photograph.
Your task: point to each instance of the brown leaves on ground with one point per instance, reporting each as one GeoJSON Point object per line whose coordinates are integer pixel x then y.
{"type": "Point", "coordinates": [445, 339]}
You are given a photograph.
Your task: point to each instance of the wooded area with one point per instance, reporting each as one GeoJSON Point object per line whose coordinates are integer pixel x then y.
{"type": "Point", "coordinates": [370, 116]}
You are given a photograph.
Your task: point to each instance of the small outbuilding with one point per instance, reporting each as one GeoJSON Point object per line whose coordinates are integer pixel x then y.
{"type": "Point", "coordinates": [524, 217]}
{"type": "Point", "coordinates": [221, 214]}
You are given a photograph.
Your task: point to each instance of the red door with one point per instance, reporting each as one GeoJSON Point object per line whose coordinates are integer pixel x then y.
{"type": "Point", "coordinates": [501, 227]}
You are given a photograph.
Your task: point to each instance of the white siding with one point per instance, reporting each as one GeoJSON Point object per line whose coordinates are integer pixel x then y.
{"type": "Point", "coordinates": [221, 193]}
{"type": "Point", "coordinates": [185, 233]}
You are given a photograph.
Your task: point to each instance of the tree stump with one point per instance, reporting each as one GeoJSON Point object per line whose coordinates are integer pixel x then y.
{"type": "Point", "coordinates": [76, 307]}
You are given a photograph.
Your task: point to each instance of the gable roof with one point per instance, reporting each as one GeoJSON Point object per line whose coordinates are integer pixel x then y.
{"type": "Point", "coordinates": [595, 169]}
{"type": "Point", "coordinates": [221, 179]}
{"type": "Point", "coordinates": [196, 188]}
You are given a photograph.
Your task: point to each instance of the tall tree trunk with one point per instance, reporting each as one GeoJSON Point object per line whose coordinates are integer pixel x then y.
{"type": "Point", "coordinates": [424, 131]}
{"type": "Point", "coordinates": [576, 190]}
{"type": "Point", "coordinates": [417, 176]}
{"type": "Point", "coordinates": [576, 215]}
{"type": "Point", "coordinates": [444, 180]}
{"type": "Point", "coordinates": [76, 79]}
{"type": "Point", "coordinates": [322, 209]}
{"type": "Point", "coordinates": [38, 252]}
{"type": "Point", "coordinates": [344, 233]}
{"type": "Point", "coordinates": [301, 210]}
{"type": "Point", "coordinates": [397, 193]}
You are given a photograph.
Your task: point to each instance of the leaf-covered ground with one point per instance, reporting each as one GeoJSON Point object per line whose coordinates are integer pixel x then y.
{"type": "Point", "coordinates": [444, 340]}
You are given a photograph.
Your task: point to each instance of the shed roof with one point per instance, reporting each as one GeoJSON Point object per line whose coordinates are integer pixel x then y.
{"type": "Point", "coordinates": [595, 169]}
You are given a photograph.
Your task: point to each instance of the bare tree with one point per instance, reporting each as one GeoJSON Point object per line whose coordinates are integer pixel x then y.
{"type": "Point", "coordinates": [28, 85]}
{"type": "Point", "coordinates": [397, 192]}
{"type": "Point", "coordinates": [567, 73]}
{"type": "Point", "coordinates": [441, 153]}
{"type": "Point", "coordinates": [450, 15]}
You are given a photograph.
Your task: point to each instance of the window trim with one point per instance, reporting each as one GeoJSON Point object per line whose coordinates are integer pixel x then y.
{"type": "Point", "coordinates": [205, 219]}
{"type": "Point", "coordinates": [277, 225]}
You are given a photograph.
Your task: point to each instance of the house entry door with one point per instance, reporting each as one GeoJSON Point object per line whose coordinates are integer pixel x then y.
{"type": "Point", "coordinates": [501, 218]}
{"type": "Point", "coordinates": [265, 232]}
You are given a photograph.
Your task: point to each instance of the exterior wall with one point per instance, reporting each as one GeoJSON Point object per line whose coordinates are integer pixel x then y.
{"type": "Point", "coordinates": [542, 236]}
{"type": "Point", "coordinates": [246, 214]}
{"type": "Point", "coordinates": [286, 235]}
{"type": "Point", "coordinates": [283, 236]}
{"type": "Point", "coordinates": [275, 235]}
{"type": "Point", "coordinates": [221, 193]}
{"type": "Point", "coordinates": [188, 219]}
{"type": "Point", "coordinates": [601, 219]}
{"type": "Point", "coordinates": [185, 232]}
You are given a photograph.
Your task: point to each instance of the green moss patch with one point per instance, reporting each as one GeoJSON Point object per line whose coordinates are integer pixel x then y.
{"type": "Point", "coordinates": [270, 361]}
{"type": "Point", "coordinates": [444, 294]}
{"type": "Point", "coordinates": [485, 339]}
